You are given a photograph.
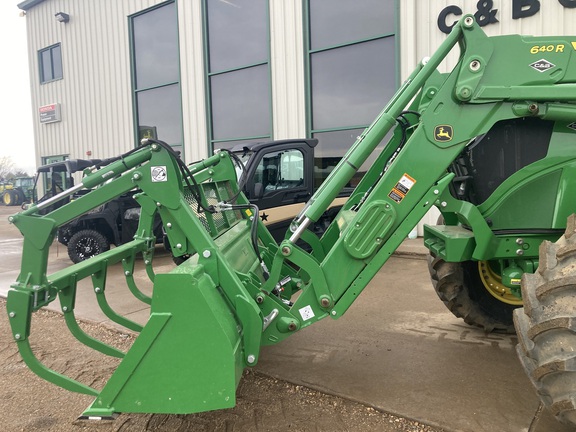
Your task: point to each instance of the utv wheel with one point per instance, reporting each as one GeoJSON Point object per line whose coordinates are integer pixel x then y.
{"type": "Point", "coordinates": [86, 244]}
{"type": "Point", "coordinates": [473, 291]}
{"type": "Point", "coordinates": [546, 326]}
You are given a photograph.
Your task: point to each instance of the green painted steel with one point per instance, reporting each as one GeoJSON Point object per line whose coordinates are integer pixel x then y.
{"type": "Point", "coordinates": [239, 290]}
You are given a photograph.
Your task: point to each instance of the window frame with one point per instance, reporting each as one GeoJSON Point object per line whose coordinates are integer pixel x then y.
{"type": "Point", "coordinates": [134, 83]}
{"type": "Point", "coordinates": [208, 74]}
{"type": "Point", "coordinates": [309, 52]}
{"type": "Point", "coordinates": [46, 177]}
{"type": "Point", "coordinates": [41, 68]}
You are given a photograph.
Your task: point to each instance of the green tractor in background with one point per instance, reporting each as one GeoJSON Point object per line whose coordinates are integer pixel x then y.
{"type": "Point", "coordinates": [17, 191]}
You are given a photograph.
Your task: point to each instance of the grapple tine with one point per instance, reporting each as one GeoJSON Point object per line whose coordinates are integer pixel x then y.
{"type": "Point", "coordinates": [128, 265]}
{"type": "Point", "coordinates": [99, 284]}
{"type": "Point", "coordinates": [19, 306]}
{"type": "Point", "coordinates": [148, 256]}
{"type": "Point", "coordinates": [67, 299]}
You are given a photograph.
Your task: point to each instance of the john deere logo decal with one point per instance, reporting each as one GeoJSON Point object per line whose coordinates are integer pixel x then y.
{"type": "Point", "coordinates": [443, 133]}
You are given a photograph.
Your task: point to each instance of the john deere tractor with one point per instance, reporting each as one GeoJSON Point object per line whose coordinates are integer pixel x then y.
{"type": "Point", "coordinates": [491, 144]}
{"type": "Point", "coordinates": [17, 191]}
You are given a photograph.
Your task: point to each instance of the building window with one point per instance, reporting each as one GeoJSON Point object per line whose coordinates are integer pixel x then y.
{"type": "Point", "coordinates": [50, 63]}
{"type": "Point", "coordinates": [156, 74]}
{"type": "Point", "coordinates": [238, 74]}
{"type": "Point", "coordinates": [351, 72]}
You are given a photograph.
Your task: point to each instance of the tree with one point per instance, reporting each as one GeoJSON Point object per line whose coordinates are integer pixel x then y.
{"type": "Point", "coordinates": [20, 173]}
{"type": "Point", "coordinates": [6, 167]}
{"type": "Point", "coordinates": [8, 171]}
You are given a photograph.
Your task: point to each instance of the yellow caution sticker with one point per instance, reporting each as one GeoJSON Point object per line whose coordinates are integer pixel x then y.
{"type": "Point", "coordinates": [574, 45]}
{"type": "Point", "coordinates": [249, 212]}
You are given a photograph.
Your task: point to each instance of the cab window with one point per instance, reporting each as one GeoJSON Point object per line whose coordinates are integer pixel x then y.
{"type": "Point", "coordinates": [280, 170]}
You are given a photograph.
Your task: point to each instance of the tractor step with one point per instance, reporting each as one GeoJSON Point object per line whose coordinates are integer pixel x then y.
{"type": "Point", "coordinates": [451, 243]}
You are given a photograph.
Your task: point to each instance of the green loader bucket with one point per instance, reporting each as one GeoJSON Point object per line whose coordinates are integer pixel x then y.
{"type": "Point", "coordinates": [186, 359]}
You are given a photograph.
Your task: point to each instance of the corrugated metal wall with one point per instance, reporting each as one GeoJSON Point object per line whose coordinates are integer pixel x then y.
{"type": "Point", "coordinates": [192, 79]}
{"type": "Point", "coordinates": [287, 58]}
{"type": "Point", "coordinates": [96, 92]}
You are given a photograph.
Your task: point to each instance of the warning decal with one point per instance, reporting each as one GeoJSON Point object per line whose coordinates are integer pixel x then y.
{"type": "Point", "coordinates": [396, 195]}
{"type": "Point", "coordinates": [158, 173]}
{"type": "Point", "coordinates": [306, 313]}
{"type": "Point", "coordinates": [403, 186]}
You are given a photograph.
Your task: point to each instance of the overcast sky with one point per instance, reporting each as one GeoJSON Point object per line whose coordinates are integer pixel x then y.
{"type": "Point", "coordinates": [16, 134]}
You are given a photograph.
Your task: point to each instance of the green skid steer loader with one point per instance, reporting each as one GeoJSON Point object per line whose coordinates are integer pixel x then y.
{"type": "Point", "coordinates": [492, 144]}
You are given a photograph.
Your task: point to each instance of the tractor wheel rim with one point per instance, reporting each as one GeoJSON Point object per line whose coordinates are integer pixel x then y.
{"type": "Point", "coordinates": [493, 283]}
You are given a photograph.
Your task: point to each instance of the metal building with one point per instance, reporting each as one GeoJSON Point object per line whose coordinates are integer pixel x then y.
{"type": "Point", "coordinates": [203, 74]}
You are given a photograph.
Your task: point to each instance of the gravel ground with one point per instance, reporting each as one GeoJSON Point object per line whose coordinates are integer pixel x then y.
{"type": "Point", "coordinates": [28, 403]}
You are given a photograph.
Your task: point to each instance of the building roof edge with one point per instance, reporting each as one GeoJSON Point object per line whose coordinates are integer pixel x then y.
{"type": "Point", "coordinates": [28, 4]}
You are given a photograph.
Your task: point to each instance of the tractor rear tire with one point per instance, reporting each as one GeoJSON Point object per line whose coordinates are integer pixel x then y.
{"type": "Point", "coordinates": [10, 198]}
{"type": "Point", "coordinates": [21, 196]}
{"type": "Point", "coordinates": [546, 326]}
{"type": "Point", "coordinates": [86, 244]}
{"type": "Point", "coordinates": [460, 287]}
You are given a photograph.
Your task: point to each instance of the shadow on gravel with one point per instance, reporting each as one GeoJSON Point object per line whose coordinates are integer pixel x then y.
{"type": "Point", "coordinates": [263, 403]}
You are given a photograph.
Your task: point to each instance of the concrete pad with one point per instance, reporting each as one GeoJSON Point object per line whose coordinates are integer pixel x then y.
{"type": "Point", "coordinates": [400, 350]}
{"type": "Point", "coordinates": [413, 248]}
{"type": "Point", "coordinates": [397, 348]}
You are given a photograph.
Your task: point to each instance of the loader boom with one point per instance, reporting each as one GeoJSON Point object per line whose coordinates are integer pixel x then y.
{"type": "Point", "coordinates": [240, 289]}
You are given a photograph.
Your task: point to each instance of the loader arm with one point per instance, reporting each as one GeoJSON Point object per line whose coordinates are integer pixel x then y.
{"type": "Point", "coordinates": [240, 289]}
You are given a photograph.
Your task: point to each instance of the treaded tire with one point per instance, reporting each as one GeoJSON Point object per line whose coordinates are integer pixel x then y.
{"type": "Point", "coordinates": [460, 288]}
{"type": "Point", "coordinates": [10, 198]}
{"type": "Point", "coordinates": [86, 244]}
{"type": "Point", "coordinates": [546, 326]}
{"type": "Point", "coordinates": [21, 197]}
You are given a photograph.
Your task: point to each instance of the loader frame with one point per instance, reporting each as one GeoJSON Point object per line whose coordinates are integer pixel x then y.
{"type": "Point", "coordinates": [240, 289]}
